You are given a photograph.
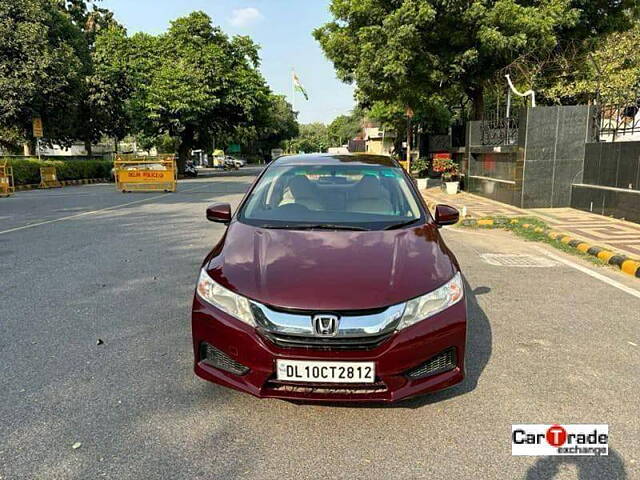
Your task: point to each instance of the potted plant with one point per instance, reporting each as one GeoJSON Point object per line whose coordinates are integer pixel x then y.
{"type": "Point", "coordinates": [449, 170]}
{"type": "Point", "coordinates": [420, 170]}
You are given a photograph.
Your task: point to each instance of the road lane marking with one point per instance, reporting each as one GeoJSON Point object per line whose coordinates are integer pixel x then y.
{"type": "Point", "coordinates": [92, 212]}
{"type": "Point", "coordinates": [591, 273]}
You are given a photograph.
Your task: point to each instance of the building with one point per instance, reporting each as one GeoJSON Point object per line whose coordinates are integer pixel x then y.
{"type": "Point", "coordinates": [378, 140]}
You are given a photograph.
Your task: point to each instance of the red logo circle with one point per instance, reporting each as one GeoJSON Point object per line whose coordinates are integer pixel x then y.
{"type": "Point", "coordinates": [556, 436]}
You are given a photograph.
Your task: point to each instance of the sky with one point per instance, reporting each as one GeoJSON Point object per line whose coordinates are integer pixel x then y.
{"type": "Point", "coordinates": [283, 29]}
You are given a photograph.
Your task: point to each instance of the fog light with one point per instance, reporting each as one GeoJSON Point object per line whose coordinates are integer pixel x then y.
{"type": "Point", "coordinates": [442, 362]}
{"type": "Point", "coordinates": [218, 359]}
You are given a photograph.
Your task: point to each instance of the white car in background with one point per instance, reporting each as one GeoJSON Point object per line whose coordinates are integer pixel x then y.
{"type": "Point", "coordinates": [238, 162]}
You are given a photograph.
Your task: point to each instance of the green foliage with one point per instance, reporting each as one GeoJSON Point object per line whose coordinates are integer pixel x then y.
{"type": "Point", "coordinates": [167, 144]}
{"type": "Point", "coordinates": [196, 83]}
{"type": "Point", "coordinates": [27, 171]}
{"type": "Point", "coordinates": [345, 127]}
{"type": "Point", "coordinates": [313, 138]}
{"type": "Point", "coordinates": [43, 61]}
{"type": "Point", "coordinates": [613, 71]}
{"type": "Point", "coordinates": [420, 166]}
{"type": "Point", "coordinates": [71, 63]}
{"type": "Point", "coordinates": [447, 167]}
{"type": "Point", "coordinates": [403, 53]}
{"type": "Point", "coordinates": [110, 86]}
{"type": "Point", "coordinates": [274, 123]}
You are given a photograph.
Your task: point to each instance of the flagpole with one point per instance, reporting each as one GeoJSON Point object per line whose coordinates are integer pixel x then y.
{"type": "Point", "coordinates": [293, 91]}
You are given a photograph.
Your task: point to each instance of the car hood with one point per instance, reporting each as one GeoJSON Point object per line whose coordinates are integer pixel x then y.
{"type": "Point", "coordinates": [331, 270]}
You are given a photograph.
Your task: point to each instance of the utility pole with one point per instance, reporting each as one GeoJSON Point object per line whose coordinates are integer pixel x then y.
{"type": "Point", "coordinates": [37, 133]}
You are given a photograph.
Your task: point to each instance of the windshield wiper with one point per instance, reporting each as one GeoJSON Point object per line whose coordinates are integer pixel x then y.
{"type": "Point", "coordinates": [323, 226]}
{"type": "Point", "coordinates": [395, 226]}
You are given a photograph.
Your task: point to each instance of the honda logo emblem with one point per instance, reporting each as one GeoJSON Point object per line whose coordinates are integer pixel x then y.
{"type": "Point", "coordinates": [325, 325]}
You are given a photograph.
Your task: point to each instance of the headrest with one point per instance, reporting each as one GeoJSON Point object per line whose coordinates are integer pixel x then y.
{"type": "Point", "coordinates": [369, 187]}
{"type": "Point", "coordinates": [300, 186]}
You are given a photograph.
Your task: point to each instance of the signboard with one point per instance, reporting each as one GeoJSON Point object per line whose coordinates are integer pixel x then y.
{"type": "Point", "coordinates": [37, 128]}
{"type": "Point", "coordinates": [146, 175]}
{"type": "Point", "coordinates": [234, 148]}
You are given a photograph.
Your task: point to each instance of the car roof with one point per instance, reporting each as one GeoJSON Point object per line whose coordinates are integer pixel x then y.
{"type": "Point", "coordinates": [335, 159]}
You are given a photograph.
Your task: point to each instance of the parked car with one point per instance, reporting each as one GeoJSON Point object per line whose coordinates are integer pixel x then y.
{"type": "Point", "coordinates": [332, 282]}
{"type": "Point", "coordinates": [237, 162]}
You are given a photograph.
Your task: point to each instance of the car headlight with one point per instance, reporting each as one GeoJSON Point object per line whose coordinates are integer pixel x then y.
{"type": "Point", "coordinates": [428, 305]}
{"type": "Point", "coordinates": [227, 301]}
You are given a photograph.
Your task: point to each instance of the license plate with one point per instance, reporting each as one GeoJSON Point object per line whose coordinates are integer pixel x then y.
{"type": "Point", "coordinates": [326, 372]}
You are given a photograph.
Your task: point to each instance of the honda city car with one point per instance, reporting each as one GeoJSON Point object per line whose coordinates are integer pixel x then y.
{"type": "Point", "coordinates": [331, 283]}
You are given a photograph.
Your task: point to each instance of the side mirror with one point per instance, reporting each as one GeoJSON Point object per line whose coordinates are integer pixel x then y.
{"type": "Point", "coordinates": [219, 212]}
{"type": "Point", "coordinates": [446, 215]}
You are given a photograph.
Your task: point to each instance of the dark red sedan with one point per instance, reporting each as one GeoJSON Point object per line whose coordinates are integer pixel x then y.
{"type": "Point", "coordinates": [331, 283]}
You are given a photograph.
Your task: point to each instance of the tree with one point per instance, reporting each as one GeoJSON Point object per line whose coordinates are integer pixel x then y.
{"type": "Point", "coordinates": [400, 51]}
{"type": "Point", "coordinates": [273, 124]}
{"type": "Point", "coordinates": [43, 61]}
{"type": "Point", "coordinates": [90, 20]}
{"type": "Point", "coordinates": [196, 83]}
{"type": "Point", "coordinates": [611, 72]}
{"type": "Point", "coordinates": [103, 92]}
{"type": "Point", "coordinates": [345, 127]}
{"type": "Point", "coordinates": [110, 86]}
{"type": "Point", "coordinates": [313, 138]}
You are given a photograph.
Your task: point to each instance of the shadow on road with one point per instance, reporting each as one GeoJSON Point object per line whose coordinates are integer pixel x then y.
{"type": "Point", "coordinates": [589, 468]}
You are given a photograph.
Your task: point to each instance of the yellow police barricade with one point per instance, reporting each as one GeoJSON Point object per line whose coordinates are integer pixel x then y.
{"type": "Point", "coordinates": [49, 178]}
{"type": "Point", "coordinates": [6, 180]}
{"type": "Point", "coordinates": [146, 175]}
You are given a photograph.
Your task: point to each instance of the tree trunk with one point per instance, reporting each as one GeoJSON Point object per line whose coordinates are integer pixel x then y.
{"type": "Point", "coordinates": [186, 143]}
{"type": "Point", "coordinates": [89, 148]}
{"type": "Point", "coordinates": [477, 102]}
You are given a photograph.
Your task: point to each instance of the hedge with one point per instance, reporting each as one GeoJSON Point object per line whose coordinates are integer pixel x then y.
{"type": "Point", "coordinates": [27, 171]}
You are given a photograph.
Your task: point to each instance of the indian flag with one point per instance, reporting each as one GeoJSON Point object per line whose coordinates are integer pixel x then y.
{"type": "Point", "coordinates": [297, 85]}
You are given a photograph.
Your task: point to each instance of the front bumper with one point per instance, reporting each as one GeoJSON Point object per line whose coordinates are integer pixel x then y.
{"type": "Point", "coordinates": [401, 353]}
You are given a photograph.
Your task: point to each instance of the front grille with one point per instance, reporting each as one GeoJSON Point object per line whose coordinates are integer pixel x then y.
{"type": "Point", "coordinates": [443, 362]}
{"type": "Point", "coordinates": [218, 359]}
{"type": "Point", "coordinates": [321, 343]}
{"type": "Point", "coordinates": [350, 389]}
{"type": "Point", "coordinates": [342, 313]}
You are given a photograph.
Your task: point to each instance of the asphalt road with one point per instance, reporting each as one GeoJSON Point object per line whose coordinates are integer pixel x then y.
{"type": "Point", "coordinates": [547, 344]}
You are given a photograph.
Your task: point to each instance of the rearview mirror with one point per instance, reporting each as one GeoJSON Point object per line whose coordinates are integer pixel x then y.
{"type": "Point", "coordinates": [219, 212]}
{"type": "Point", "coordinates": [446, 215]}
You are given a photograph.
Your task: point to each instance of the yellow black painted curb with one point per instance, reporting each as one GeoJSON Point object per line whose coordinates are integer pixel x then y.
{"type": "Point", "coordinates": [65, 183]}
{"type": "Point", "coordinates": [624, 263]}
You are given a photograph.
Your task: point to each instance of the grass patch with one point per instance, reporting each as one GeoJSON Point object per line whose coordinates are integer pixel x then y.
{"type": "Point", "coordinates": [530, 234]}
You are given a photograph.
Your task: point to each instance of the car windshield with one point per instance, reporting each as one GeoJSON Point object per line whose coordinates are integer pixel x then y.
{"type": "Point", "coordinates": [332, 197]}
